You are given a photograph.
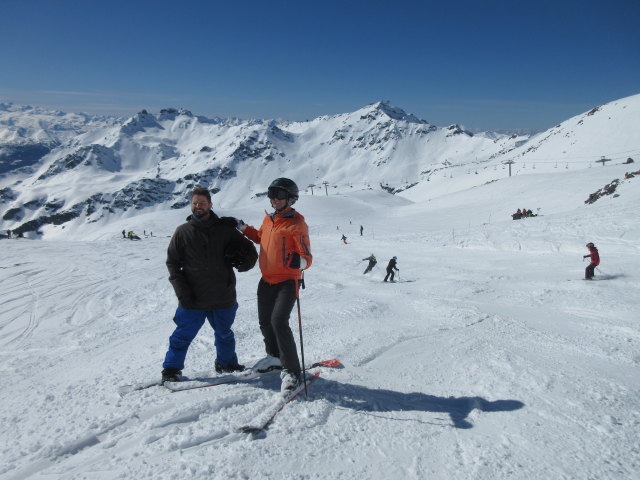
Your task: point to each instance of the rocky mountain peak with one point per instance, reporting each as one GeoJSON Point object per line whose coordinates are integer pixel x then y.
{"type": "Point", "coordinates": [382, 109]}
{"type": "Point", "coordinates": [139, 122]}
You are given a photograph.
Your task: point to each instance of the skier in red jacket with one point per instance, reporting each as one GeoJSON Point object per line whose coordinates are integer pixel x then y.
{"type": "Point", "coordinates": [589, 272]}
{"type": "Point", "coordinates": [284, 253]}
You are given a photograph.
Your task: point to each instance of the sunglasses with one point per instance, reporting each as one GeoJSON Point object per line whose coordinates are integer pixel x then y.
{"type": "Point", "coordinates": [278, 193]}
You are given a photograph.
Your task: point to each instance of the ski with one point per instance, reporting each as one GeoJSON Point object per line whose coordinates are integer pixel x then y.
{"type": "Point", "coordinates": [244, 376]}
{"type": "Point", "coordinates": [125, 389]}
{"type": "Point", "coordinates": [196, 383]}
{"type": "Point", "coordinates": [134, 387]}
{"type": "Point", "coordinates": [268, 415]}
{"type": "Point", "coordinates": [202, 381]}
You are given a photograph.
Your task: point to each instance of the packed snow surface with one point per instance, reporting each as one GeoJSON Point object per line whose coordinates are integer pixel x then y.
{"type": "Point", "coordinates": [490, 358]}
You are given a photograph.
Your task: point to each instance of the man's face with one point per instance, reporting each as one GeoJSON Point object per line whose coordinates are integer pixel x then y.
{"type": "Point", "coordinates": [200, 206]}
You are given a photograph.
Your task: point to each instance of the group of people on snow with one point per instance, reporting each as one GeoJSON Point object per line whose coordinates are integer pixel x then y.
{"type": "Point", "coordinates": [11, 234]}
{"type": "Point", "coordinates": [132, 236]}
{"type": "Point", "coordinates": [201, 257]}
{"type": "Point", "coordinates": [523, 214]}
{"type": "Point", "coordinates": [391, 266]}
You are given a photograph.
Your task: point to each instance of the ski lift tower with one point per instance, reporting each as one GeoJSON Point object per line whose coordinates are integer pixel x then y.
{"type": "Point", "coordinates": [509, 162]}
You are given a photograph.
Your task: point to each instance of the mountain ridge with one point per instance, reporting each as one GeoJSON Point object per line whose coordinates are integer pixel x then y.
{"type": "Point", "coordinates": [154, 160]}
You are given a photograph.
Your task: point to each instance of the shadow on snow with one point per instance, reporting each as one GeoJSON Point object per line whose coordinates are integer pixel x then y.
{"type": "Point", "coordinates": [363, 399]}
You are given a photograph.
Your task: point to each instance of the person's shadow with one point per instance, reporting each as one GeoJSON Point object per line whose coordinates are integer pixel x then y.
{"type": "Point", "coordinates": [363, 399]}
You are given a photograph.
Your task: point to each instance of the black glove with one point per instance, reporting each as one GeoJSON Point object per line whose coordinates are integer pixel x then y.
{"type": "Point", "coordinates": [187, 303]}
{"type": "Point", "coordinates": [243, 267]}
{"type": "Point", "coordinates": [241, 256]}
{"type": "Point", "coordinates": [239, 262]}
{"type": "Point", "coordinates": [294, 261]}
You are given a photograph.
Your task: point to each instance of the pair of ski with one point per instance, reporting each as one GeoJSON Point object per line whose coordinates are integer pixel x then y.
{"type": "Point", "coordinates": [266, 416]}
{"type": "Point", "coordinates": [244, 376]}
{"type": "Point", "coordinates": [200, 381]}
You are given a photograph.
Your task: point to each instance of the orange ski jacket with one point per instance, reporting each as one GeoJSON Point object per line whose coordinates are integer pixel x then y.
{"type": "Point", "coordinates": [280, 236]}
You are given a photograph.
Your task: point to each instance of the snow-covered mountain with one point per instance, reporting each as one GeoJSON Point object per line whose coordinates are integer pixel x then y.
{"type": "Point", "coordinates": [28, 133]}
{"type": "Point", "coordinates": [150, 162]}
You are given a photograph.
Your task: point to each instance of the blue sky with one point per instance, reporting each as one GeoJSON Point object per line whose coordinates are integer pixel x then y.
{"type": "Point", "coordinates": [485, 64]}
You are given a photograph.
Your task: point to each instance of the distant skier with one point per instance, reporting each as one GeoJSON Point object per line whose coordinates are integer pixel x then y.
{"type": "Point", "coordinates": [589, 272]}
{"type": "Point", "coordinates": [361, 229]}
{"type": "Point", "coordinates": [124, 234]}
{"type": "Point", "coordinates": [372, 263]}
{"type": "Point", "coordinates": [390, 269]}
{"type": "Point", "coordinates": [344, 239]}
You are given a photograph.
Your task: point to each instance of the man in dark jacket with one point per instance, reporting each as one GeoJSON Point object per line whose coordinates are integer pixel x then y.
{"type": "Point", "coordinates": [372, 263]}
{"type": "Point", "coordinates": [200, 258]}
{"type": "Point", "coordinates": [390, 269]}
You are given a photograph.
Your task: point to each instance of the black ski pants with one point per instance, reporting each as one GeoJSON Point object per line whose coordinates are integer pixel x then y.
{"type": "Point", "coordinates": [589, 272]}
{"type": "Point", "coordinates": [275, 303]}
{"type": "Point", "coordinates": [389, 273]}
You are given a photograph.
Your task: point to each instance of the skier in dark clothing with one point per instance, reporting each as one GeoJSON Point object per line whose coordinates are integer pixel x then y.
{"type": "Point", "coordinates": [589, 272]}
{"type": "Point", "coordinates": [200, 258]}
{"type": "Point", "coordinates": [372, 263]}
{"type": "Point", "coordinates": [390, 269]}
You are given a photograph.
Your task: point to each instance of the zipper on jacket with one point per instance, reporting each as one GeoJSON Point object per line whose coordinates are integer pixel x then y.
{"type": "Point", "coordinates": [284, 252]}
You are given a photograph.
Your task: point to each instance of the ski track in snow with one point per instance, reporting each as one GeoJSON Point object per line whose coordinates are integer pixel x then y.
{"type": "Point", "coordinates": [496, 361]}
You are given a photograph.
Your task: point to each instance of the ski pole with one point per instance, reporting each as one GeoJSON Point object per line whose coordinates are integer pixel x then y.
{"type": "Point", "coordinates": [304, 370]}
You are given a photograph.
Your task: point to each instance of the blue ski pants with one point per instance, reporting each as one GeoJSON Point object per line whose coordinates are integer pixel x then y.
{"type": "Point", "coordinates": [188, 324]}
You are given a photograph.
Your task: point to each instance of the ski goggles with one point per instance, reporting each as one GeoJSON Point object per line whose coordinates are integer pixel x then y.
{"type": "Point", "coordinates": [278, 193]}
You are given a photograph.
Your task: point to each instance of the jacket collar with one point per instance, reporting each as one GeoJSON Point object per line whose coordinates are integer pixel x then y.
{"type": "Point", "coordinates": [288, 213]}
{"type": "Point", "coordinates": [195, 221]}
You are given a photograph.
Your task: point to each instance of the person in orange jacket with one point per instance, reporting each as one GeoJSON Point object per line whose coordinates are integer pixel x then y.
{"type": "Point", "coordinates": [284, 253]}
{"type": "Point", "coordinates": [589, 272]}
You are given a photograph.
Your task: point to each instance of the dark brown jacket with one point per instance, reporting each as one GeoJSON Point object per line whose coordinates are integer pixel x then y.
{"type": "Point", "coordinates": [200, 258]}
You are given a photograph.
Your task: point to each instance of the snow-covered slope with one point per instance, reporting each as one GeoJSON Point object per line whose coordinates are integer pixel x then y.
{"type": "Point", "coordinates": [608, 131]}
{"type": "Point", "coordinates": [576, 144]}
{"type": "Point", "coordinates": [490, 359]}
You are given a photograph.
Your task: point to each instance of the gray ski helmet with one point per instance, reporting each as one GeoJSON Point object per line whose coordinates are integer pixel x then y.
{"type": "Point", "coordinates": [395, 258]}
{"type": "Point", "coordinates": [288, 186]}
